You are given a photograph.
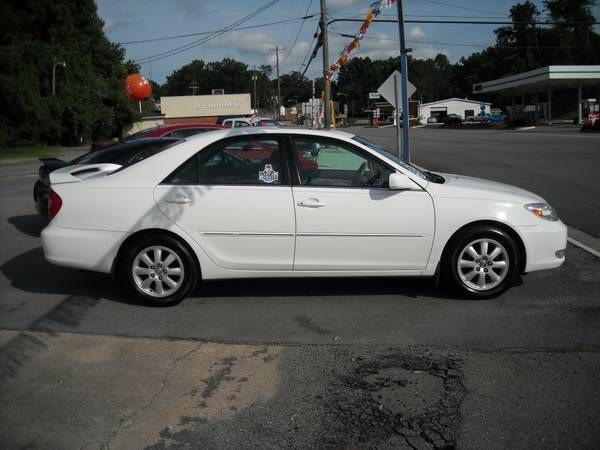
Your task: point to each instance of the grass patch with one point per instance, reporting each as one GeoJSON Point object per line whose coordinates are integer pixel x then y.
{"type": "Point", "coordinates": [30, 152]}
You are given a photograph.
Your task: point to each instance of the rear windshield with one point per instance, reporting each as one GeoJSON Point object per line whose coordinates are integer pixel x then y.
{"type": "Point", "coordinates": [126, 154]}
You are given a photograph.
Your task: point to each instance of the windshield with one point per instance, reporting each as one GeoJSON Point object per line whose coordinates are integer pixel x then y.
{"type": "Point", "coordinates": [384, 152]}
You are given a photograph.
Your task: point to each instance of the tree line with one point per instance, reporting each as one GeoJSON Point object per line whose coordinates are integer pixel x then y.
{"type": "Point", "coordinates": [90, 102]}
{"type": "Point", "coordinates": [36, 38]}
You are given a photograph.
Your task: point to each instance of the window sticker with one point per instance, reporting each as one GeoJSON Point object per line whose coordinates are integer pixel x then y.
{"type": "Point", "coordinates": [268, 175]}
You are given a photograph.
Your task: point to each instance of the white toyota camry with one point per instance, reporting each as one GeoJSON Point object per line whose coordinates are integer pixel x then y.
{"type": "Point", "coordinates": [268, 202]}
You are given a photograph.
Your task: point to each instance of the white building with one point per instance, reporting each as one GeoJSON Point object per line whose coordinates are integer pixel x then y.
{"type": "Point", "coordinates": [462, 107]}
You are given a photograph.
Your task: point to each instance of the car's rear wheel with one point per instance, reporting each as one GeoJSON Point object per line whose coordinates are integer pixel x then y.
{"type": "Point", "coordinates": [481, 262]}
{"type": "Point", "coordinates": [158, 269]}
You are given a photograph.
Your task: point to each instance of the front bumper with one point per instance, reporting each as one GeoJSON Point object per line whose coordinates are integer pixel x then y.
{"type": "Point", "coordinates": [543, 245]}
{"type": "Point", "coordinates": [81, 249]}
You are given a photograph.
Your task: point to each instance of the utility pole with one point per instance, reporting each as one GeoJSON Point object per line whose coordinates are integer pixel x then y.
{"type": "Point", "coordinates": [254, 78]}
{"type": "Point", "coordinates": [404, 83]}
{"type": "Point", "coordinates": [327, 84]}
{"type": "Point", "coordinates": [277, 50]}
{"type": "Point", "coordinates": [61, 63]}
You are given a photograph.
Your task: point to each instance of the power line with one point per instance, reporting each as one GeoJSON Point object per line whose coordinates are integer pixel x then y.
{"type": "Point", "coordinates": [203, 33]}
{"type": "Point", "coordinates": [460, 44]}
{"type": "Point", "coordinates": [312, 51]}
{"type": "Point", "coordinates": [470, 22]}
{"type": "Point", "coordinates": [465, 8]}
{"type": "Point", "coordinates": [193, 44]}
{"type": "Point", "coordinates": [297, 34]}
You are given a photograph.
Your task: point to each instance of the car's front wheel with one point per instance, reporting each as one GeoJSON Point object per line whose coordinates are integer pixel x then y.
{"type": "Point", "coordinates": [482, 262]}
{"type": "Point", "coordinates": [158, 269]}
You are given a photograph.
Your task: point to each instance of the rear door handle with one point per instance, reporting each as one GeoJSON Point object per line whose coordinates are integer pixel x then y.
{"type": "Point", "coordinates": [311, 203]}
{"type": "Point", "coordinates": [180, 200]}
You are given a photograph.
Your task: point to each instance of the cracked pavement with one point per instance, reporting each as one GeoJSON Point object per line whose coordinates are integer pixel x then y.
{"type": "Point", "coordinates": [321, 363]}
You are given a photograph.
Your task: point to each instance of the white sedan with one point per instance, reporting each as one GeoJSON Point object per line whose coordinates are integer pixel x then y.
{"type": "Point", "coordinates": [279, 202]}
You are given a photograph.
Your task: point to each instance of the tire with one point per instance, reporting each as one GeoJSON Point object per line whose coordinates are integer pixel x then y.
{"type": "Point", "coordinates": [481, 262]}
{"type": "Point", "coordinates": [143, 272]}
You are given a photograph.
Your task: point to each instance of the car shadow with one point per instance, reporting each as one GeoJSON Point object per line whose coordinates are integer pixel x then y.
{"type": "Point", "coordinates": [30, 224]}
{"type": "Point", "coordinates": [30, 272]}
{"type": "Point", "coordinates": [322, 286]}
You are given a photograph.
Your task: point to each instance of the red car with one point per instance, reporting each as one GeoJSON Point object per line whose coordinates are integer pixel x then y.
{"type": "Point", "coordinates": [180, 131]}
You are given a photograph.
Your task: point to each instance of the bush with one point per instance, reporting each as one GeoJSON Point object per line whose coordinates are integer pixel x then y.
{"type": "Point", "coordinates": [517, 122]}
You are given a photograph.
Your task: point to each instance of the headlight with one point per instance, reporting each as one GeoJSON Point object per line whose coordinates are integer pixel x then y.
{"type": "Point", "coordinates": [543, 211]}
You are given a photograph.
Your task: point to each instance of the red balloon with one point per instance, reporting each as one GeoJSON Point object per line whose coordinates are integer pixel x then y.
{"type": "Point", "coordinates": [138, 87]}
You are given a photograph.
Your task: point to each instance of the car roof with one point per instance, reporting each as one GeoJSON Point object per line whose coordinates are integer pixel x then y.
{"type": "Point", "coordinates": [231, 132]}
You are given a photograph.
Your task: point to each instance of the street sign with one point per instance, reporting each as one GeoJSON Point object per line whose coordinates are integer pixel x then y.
{"type": "Point", "coordinates": [374, 95]}
{"type": "Point", "coordinates": [482, 106]}
{"type": "Point", "coordinates": [389, 91]}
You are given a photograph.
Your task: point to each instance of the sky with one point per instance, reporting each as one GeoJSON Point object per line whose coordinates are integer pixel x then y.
{"type": "Point", "coordinates": [135, 20]}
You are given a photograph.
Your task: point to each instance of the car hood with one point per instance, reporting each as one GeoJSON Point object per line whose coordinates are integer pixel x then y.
{"type": "Point", "coordinates": [469, 187]}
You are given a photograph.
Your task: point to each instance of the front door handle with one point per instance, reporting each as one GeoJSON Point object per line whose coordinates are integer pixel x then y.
{"type": "Point", "coordinates": [311, 203]}
{"type": "Point", "coordinates": [180, 200]}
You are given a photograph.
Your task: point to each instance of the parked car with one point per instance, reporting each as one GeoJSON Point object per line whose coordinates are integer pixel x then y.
{"type": "Point", "coordinates": [495, 118]}
{"type": "Point", "coordinates": [206, 209]}
{"type": "Point", "coordinates": [123, 154]}
{"type": "Point", "coordinates": [180, 131]}
{"type": "Point", "coordinates": [268, 123]}
{"type": "Point", "coordinates": [432, 119]}
{"type": "Point", "coordinates": [237, 122]}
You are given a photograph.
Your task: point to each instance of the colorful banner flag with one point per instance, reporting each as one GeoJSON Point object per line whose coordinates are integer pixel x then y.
{"type": "Point", "coordinates": [374, 11]}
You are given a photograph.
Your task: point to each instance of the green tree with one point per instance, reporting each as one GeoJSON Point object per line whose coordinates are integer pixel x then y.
{"type": "Point", "coordinates": [90, 101]}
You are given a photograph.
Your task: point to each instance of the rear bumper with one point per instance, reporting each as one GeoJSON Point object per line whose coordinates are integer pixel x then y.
{"type": "Point", "coordinates": [542, 242]}
{"type": "Point", "coordinates": [81, 249]}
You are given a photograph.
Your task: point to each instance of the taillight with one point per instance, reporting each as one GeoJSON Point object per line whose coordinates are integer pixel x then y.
{"type": "Point", "coordinates": [55, 204]}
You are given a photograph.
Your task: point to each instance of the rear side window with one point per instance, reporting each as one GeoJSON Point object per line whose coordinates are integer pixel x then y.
{"type": "Point", "coordinates": [242, 161]}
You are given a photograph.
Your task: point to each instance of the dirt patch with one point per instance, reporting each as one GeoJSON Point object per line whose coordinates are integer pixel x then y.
{"type": "Point", "coordinates": [396, 401]}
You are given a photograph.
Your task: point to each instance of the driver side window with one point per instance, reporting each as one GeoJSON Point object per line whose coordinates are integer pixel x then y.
{"type": "Point", "coordinates": [331, 163]}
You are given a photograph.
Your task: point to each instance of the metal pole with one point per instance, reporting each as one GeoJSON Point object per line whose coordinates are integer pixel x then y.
{"type": "Point", "coordinates": [278, 83]}
{"type": "Point", "coordinates": [254, 77]}
{"type": "Point", "coordinates": [397, 115]}
{"type": "Point", "coordinates": [404, 68]}
{"type": "Point", "coordinates": [327, 87]}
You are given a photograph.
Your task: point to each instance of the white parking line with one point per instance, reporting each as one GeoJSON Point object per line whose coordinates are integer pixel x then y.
{"type": "Point", "coordinates": [583, 247]}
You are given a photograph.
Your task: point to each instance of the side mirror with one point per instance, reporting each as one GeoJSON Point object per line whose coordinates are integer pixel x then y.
{"type": "Point", "coordinates": [398, 181]}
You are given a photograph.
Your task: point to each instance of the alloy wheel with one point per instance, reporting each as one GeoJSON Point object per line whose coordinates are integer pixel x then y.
{"type": "Point", "coordinates": [483, 264]}
{"type": "Point", "coordinates": [158, 271]}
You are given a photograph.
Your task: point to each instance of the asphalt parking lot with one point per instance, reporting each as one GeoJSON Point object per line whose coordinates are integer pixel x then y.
{"type": "Point", "coordinates": [320, 363]}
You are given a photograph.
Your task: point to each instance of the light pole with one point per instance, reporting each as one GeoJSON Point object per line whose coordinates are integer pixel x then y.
{"type": "Point", "coordinates": [61, 63]}
{"type": "Point", "coordinates": [254, 78]}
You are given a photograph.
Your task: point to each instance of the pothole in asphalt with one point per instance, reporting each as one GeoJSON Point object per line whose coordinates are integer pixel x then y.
{"type": "Point", "coordinates": [396, 401]}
